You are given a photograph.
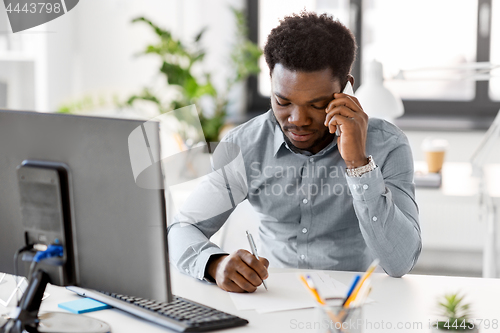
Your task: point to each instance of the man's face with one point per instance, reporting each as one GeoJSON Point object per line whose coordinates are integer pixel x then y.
{"type": "Point", "coordinates": [299, 100]}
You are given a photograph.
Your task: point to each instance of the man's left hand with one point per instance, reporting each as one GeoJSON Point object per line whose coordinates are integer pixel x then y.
{"type": "Point", "coordinates": [345, 112]}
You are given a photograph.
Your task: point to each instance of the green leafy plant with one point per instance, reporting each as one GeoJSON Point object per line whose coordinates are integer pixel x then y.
{"type": "Point", "coordinates": [456, 311]}
{"type": "Point", "coordinates": [179, 62]}
{"type": "Point", "coordinates": [88, 103]}
{"type": "Point", "coordinates": [244, 61]}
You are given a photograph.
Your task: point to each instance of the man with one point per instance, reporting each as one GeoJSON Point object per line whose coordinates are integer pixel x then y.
{"type": "Point", "coordinates": [324, 201]}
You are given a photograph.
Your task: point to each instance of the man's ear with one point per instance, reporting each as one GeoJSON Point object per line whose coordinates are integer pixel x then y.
{"type": "Point", "coordinates": [350, 78]}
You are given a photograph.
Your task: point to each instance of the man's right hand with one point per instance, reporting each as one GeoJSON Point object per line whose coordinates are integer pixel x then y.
{"type": "Point", "coordinates": [238, 272]}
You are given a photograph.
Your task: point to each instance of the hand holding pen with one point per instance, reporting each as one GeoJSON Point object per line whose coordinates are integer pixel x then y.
{"type": "Point", "coordinates": [238, 272]}
{"type": "Point", "coordinates": [254, 251]}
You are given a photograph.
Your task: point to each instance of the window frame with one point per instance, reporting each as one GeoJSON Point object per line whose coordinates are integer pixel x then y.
{"type": "Point", "coordinates": [419, 114]}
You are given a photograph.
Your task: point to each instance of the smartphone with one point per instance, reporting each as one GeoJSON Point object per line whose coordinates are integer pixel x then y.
{"type": "Point", "coordinates": [348, 91]}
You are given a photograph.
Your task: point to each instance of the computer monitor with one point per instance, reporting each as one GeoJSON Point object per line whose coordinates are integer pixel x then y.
{"type": "Point", "coordinates": [119, 228]}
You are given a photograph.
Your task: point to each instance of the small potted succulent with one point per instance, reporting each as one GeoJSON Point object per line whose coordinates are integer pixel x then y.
{"type": "Point", "coordinates": [456, 313]}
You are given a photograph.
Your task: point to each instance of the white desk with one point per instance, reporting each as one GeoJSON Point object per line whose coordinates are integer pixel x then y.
{"type": "Point", "coordinates": [411, 299]}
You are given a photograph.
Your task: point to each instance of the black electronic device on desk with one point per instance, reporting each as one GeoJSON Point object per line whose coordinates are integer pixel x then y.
{"type": "Point", "coordinates": [67, 184]}
{"type": "Point", "coordinates": [428, 179]}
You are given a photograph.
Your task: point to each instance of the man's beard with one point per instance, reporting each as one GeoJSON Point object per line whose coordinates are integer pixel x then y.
{"type": "Point", "coordinates": [327, 135]}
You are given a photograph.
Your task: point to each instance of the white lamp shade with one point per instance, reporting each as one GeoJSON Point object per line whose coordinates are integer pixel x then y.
{"type": "Point", "coordinates": [375, 99]}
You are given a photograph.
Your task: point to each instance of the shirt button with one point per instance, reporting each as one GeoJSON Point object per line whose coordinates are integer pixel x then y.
{"type": "Point", "coordinates": [304, 230]}
{"type": "Point", "coordinates": [302, 256]}
{"type": "Point", "coordinates": [365, 187]}
{"type": "Point", "coordinates": [354, 186]}
{"type": "Point", "coordinates": [187, 270]}
{"type": "Point", "coordinates": [311, 160]}
{"type": "Point", "coordinates": [305, 201]}
{"type": "Point", "coordinates": [374, 218]}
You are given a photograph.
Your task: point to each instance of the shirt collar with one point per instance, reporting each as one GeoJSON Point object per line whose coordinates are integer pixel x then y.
{"type": "Point", "coordinates": [279, 141]}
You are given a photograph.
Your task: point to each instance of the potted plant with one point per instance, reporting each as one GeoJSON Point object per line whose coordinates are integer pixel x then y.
{"type": "Point", "coordinates": [179, 81]}
{"type": "Point", "coordinates": [177, 63]}
{"type": "Point", "coordinates": [456, 313]}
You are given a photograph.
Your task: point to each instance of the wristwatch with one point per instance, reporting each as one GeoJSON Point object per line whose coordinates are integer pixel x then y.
{"type": "Point", "coordinates": [358, 172]}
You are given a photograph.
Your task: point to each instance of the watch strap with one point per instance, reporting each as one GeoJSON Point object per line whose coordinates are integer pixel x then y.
{"type": "Point", "coordinates": [358, 172]}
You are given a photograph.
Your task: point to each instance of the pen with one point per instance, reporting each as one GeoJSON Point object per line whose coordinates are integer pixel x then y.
{"type": "Point", "coordinates": [354, 283]}
{"type": "Point", "coordinates": [364, 287]}
{"type": "Point", "coordinates": [254, 251]}
{"type": "Point", "coordinates": [308, 282]}
{"type": "Point", "coordinates": [362, 295]}
{"type": "Point", "coordinates": [369, 272]}
{"type": "Point", "coordinates": [360, 299]}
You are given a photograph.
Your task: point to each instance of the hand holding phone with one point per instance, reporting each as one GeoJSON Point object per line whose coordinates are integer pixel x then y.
{"type": "Point", "coordinates": [348, 91]}
{"type": "Point", "coordinates": [345, 117]}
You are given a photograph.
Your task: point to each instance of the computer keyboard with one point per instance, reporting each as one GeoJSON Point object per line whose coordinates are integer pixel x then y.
{"type": "Point", "coordinates": [181, 314]}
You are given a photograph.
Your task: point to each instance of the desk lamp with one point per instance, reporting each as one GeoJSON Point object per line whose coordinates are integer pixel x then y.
{"type": "Point", "coordinates": [378, 101]}
{"type": "Point", "coordinates": [470, 71]}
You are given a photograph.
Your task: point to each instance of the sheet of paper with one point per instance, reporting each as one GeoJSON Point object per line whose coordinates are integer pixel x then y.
{"type": "Point", "coordinates": [286, 292]}
{"type": "Point", "coordinates": [328, 287]}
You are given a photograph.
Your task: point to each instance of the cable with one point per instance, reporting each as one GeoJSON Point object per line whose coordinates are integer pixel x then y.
{"type": "Point", "coordinates": [53, 250]}
{"type": "Point", "coordinates": [16, 256]}
{"type": "Point", "coordinates": [16, 259]}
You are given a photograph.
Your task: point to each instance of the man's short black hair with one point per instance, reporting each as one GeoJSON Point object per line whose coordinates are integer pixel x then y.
{"type": "Point", "coordinates": [310, 42]}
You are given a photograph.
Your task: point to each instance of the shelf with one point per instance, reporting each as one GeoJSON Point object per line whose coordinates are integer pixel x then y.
{"type": "Point", "coordinates": [16, 56]}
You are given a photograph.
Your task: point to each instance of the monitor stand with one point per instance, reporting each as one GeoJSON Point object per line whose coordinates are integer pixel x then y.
{"type": "Point", "coordinates": [25, 317]}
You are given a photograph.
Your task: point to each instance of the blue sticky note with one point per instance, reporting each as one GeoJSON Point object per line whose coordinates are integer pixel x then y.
{"type": "Point", "coordinates": [83, 305]}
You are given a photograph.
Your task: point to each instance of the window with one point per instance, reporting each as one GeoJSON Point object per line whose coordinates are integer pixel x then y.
{"type": "Point", "coordinates": [425, 39]}
{"type": "Point", "coordinates": [495, 50]}
{"type": "Point", "coordinates": [414, 37]}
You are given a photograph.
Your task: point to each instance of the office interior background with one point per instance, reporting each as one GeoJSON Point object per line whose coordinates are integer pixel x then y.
{"type": "Point", "coordinates": [89, 59]}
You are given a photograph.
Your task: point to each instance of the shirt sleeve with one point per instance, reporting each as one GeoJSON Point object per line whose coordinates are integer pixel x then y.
{"type": "Point", "coordinates": [206, 210]}
{"type": "Point", "coordinates": [384, 202]}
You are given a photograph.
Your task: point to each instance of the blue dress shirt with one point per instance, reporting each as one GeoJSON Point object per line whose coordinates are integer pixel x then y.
{"type": "Point", "coordinates": [312, 215]}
